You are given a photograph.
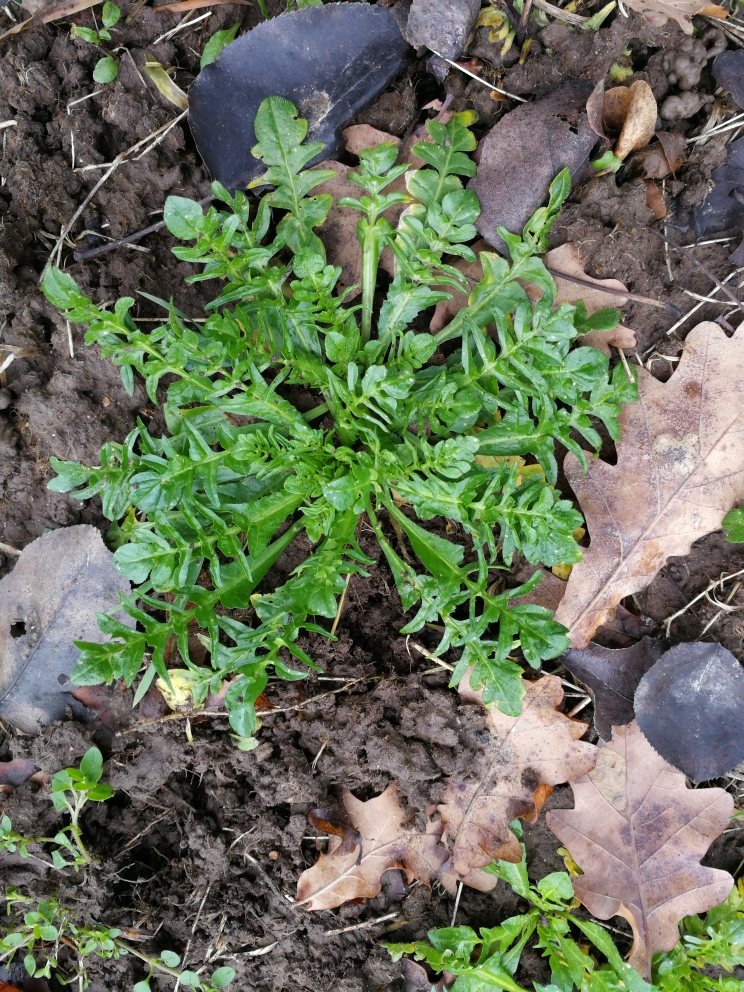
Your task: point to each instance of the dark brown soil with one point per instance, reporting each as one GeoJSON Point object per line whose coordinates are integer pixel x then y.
{"type": "Point", "coordinates": [203, 844]}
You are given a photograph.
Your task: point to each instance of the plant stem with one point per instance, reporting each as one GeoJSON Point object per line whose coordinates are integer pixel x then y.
{"type": "Point", "coordinates": [153, 962]}
{"type": "Point", "coordinates": [370, 260]}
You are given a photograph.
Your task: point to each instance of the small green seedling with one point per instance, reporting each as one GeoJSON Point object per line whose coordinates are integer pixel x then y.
{"type": "Point", "coordinates": [72, 788]}
{"type": "Point", "coordinates": [489, 959]}
{"type": "Point", "coordinates": [733, 525]}
{"type": "Point", "coordinates": [106, 69]}
{"type": "Point", "coordinates": [47, 928]}
{"type": "Point", "coordinates": [218, 41]}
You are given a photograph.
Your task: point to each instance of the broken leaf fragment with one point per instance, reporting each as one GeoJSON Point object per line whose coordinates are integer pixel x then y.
{"type": "Point", "coordinates": [388, 841]}
{"type": "Point", "coordinates": [525, 756]}
{"type": "Point", "coordinates": [612, 675]}
{"type": "Point", "coordinates": [638, 834]}
{"type": "Point", "coordinates": [689, 708]}
{"type": "Point", "coordinates": [47, 602]}
{"type": "Point", "coordinates": [657, 12]}
{"type": "Point", "coordinates": [172, 93]}
{"type": "Point", "coordinates": [330, 61]}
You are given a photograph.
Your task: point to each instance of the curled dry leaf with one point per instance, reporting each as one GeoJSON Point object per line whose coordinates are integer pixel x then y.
{"type": "Point", "coordinates": [523, 759]}
{"type": "Point", "coordinates": [680, 468]}
{"type": "Point", "coordinates": [387, 841]}
{"type": "Point", "coordinates": [689, 706]}
{"type": "Point", "coordinates": [657, 12]}
{"type": "Point", "coordinates": [659, 160]}
{"type": "Point", "coordinates": [631, 111]}
{"type": "Point", "coordinates": [48, 601]}
{"type": "Point", "coordinates": [638, 834]}
{"type": "Point", "coordinates": [612, 675]}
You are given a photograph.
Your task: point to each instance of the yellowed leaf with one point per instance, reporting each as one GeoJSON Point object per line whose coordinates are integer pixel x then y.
{"type": "Point", "coordinates": [165, 84]}
{"type": "Point", "coordinates": [638, 834]}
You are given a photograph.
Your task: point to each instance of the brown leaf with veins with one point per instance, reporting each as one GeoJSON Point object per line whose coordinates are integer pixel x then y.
{"type": "Point", "coordinates": [524, 758]}
{"type": "Point", "coordinates": [680, 468]}
{"type": "Point", "coordinates": [657, 12]}
{"type": "Point", "coordinates": [387, 841]}
{"type": "Point", "coordinates": [638, 834]}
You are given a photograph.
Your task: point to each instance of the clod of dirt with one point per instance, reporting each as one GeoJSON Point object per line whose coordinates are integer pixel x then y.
{"type": "Point", "coordinates": [330, 61]}
{"type": "Point", "coordinates": [680, 468]}
{"type": "Point", "coordinates": [689, 708]}
{"type": "Point", "coordinates": [728, 71]}
{"type": "Point", "coordinates": [684, 105]}
{"type": "Point", "coordinates": [524, 152]}
{"type": "Point", "coordinates": [49, 600]}
{"type": "Point", "coordinates": [723, 209]}
{"type": "Point", "coordinates": [612, 675]}
{"type": "Point", "coordinates": [443, 26]}
{"type": "Point", "coordinates": [639, 833]}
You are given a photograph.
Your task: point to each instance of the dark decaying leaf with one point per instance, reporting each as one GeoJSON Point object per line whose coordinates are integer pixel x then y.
{"type": "Point", "coordinates": [612, 675]}
{"type": "Point", "coordinates": [728, 71]}
{"type": "Point", "coordinates": [525, 151]}
{"type": "Point", "coordinates": [723, 209]}
{"type": "Point", "coordinates": [17, 771]}
{"type": "Point", "coordinates": [49, 600]}
{"type": "Point", "coordinates": [443, 26]}
{"type": "Point", "coordinates": [330, 61]}
{"type": "Point", "coordinates": [689, 707]}
{"type": "Point", "coordinates": [335, 820]}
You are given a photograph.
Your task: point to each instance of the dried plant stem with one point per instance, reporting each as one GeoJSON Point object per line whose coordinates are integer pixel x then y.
{"type": "Point", "coordinates": [704, 268]}
{"type": "Point", "coordinates": [700, 595]}
{"type": "Point", "coordinates": [432, 657]}
{"type": "Point", "coordinates": [57, 250]}
{"type": "Point", "coordinates": [697, 306]}
{"type": "Point", "coordinates": [512, 96]}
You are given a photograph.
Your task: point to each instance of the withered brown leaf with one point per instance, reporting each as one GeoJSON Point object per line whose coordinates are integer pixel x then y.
{"type": "Point", "coordinates": [638, 834]}
{"type": "Point", "coordinates": [388, 840]}
{"type": "Point", "coordinates": [525, 756]}
{"type": "Point", "coordinates": [657, 12]}
{"type": "Point", "coordinates": [680, 468]}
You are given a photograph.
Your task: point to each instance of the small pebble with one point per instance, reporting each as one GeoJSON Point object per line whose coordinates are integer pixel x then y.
{"type": "Point", "coordinates": [274, 855]}
{"type": "Point", "coordinates": [106, 401]}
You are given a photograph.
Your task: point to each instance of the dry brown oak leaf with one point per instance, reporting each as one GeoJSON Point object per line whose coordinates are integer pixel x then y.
{"type": "Point", "coordinates": [524, 758]}
{"type": "Point", "coordinates": [680, 468]}
{"type": "Point", "coordinates": [638, 834]}
{"type": "Point", "coordinates": [658, 11]}
{"type": "Point", "coordinates": [388, 841]}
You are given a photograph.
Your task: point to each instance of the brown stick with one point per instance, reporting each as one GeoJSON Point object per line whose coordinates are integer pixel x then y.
{"type": "Point", "coordinates": [84, 256]}
{"type": "Point", "coordinates": [615, 292]}
{"type": "Point", "coordinates": [703, 268]}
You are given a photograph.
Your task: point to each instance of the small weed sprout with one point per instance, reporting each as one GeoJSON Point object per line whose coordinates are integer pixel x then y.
{"type": "Point", "coordinates": [106, 69]}
{"type": "Point", "coordinates": [44, 926]}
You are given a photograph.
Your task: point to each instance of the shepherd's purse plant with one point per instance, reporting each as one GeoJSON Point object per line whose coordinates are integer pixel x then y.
{"type": "Point", "coordinates": [402, 430]}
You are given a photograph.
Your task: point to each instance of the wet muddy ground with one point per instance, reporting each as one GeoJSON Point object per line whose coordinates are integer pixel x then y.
{"type": "Point", "coordinates": [202, 846]}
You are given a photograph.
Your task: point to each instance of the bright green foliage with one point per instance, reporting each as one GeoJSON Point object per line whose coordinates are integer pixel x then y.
{"type": "Point", "coordinates": [72, 788]}
{"type": "Point", "coordinates": [218, 41]}
{"type": "Point", "coordinates": [47, 928]}
{"type": "Point", "coordinates": [489, 960]}
{"type": "Point", "coordinates": [106, 70]}
{"type": "Point", "coordinates": [733, 525]}
{"type": "Point", "coordinates": [204, 512]}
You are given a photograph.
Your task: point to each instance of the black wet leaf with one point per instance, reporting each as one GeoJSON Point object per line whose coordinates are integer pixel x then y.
{"type": "Point", "coordinates": [525, 151]}
{"type": "Point", "coordinates": [612, 675]}
{"type": "Point", "coordinates": [689, 707]}
{"type": "Point", "coordinates": [728, 71]}
{"type": "Point", "coordinates": [330, 61]}
{"type": "Point", "coordinates": [723, 209]}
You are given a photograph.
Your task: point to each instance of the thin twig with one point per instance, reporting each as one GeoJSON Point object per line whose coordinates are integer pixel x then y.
{"type": "Point", "coordinates": [8, 549]}
{"type": "Point", "coordinates": [580, 706]}
{"type": "Point", "coordinates": [432, 657]}
{"type": "Point", "coordinates": [697, 306]}
{"type": "Point", "coordinates": [150, 825]}
{"type": "Point", "coordinates": [57, 250]}
{"type": "Point", "coordinates": [363, 926]}
{"type": "Point", "coordinates": [614, 292]}
{"type": "Point", "coordinates": [696, 261]}
{"type": "Point", "coordinates": [725, 608]}
{"type": "Point", "coordinates": [84, 256]}
{"type": "Point", "coordinates": [457, 903]}
{"type": "Point", "coordinates": [341, 602]}
{"type": "Point", "coordinates": [700, 595]}
{"type": "Point", "coordinates": [467, 72]}
{"type": "Point", "coordinates": [559, 13]}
